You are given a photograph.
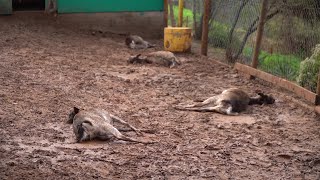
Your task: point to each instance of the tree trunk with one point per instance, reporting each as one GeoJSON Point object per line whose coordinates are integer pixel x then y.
{"type": "Point", "coordinates": [173, 22]}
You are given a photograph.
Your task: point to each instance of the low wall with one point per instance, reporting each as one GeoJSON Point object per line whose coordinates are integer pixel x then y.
{"type": "Point", "coordinates": [146, 24]}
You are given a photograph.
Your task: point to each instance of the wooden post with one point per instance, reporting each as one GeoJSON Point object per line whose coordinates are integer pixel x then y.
{"type": "Point", "coordinates": [173, 22]}
{"type": "Point", "coordinates": [205, 28]}
{"type": "Point", "coordinates": [180, 21]}
{"type": "Point", "coordinates": [165, 13]}
{"type": "Point", "coordinates": [259, 33]}
{"type": "Point", "coordinates": [318, 90]}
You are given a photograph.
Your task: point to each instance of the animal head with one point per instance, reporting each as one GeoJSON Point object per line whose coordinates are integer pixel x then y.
{"type": "Point", "coordinates": [265, 99]}
{"type": "Point", "coordinates": [72, 114]}
{"type": "Point", "coordinates": [134, 59]}
{"type": "Point", "coordinates": [128, 41]}
{"type": "Point", "coordinates": [132, 45]}
{"type": "Point", "coordinates": [174, 62]}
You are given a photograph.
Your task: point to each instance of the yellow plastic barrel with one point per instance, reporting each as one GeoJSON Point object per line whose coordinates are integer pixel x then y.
{"type": "Point", "coordinates": [177, 39]}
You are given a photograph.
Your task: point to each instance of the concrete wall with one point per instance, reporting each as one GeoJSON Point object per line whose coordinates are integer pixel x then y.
{"type": "Point", "coordinates": [97, 6]}
{"type": "Point", "coordinates": [146, 24]}
{"type": "Point", "coordinates": [5, 7]}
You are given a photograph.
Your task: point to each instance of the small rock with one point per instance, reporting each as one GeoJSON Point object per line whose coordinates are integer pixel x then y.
{"type": "Point", "coordinates": [219, 126]}
{"type": "Point", "coordinates": [127, 81]}
{"type": "Point", "coordinates": [235, 76]}
{"type": "Point", "coordinates": [285, 156]}
{"type": "Point", "coordinates": [11, 163]}
{"type": "Point", "coordinates": [212, 147]}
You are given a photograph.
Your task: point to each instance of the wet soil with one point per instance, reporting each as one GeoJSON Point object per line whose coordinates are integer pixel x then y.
{"type": "Point", "coordinates": [47, 68]}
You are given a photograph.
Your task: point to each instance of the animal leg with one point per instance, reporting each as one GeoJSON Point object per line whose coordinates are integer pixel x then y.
{"type": "Point", "coordinates": [205, 102]}
{"type": "Point", "coordinates": [219, 109]}
{"type": "Point", "coordinates": [173, 62]}
{"type": "Point", "coordinates": [85, 132]}
{"type": "Point", "coordinates": [116, 118]}
{"type": "Point", "coordinates": [138, 46]}
{"type": "Point", "coordinates": [110, 129]}
{"type": "Point", "coordinates": [150, 45]}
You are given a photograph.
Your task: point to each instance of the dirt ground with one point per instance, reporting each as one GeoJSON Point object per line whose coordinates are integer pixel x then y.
{"type": "Point", "coordinates": [47, 68]}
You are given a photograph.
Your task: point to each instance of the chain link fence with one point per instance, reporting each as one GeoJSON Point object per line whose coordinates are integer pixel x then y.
{"type": "Point", "coordinates": [289, 43]}
{"type": "Point", "coordinates": [291, 33]}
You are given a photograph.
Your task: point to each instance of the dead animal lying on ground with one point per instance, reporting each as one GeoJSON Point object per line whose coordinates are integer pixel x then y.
{"type": "Point", "coordinates": [163, 58]}
{"type": "Point", "coordinates": [229, 102]}
{"type": "Point", "coordinates": [136, 42]}
{"type": "Point", "coordinates": [98, 124]}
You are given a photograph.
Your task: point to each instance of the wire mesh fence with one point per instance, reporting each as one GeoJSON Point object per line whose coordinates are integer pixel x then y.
{"type": "Point", "coordinates": [289, 43]}
{"type": "Point", "coordinates": [291, 34]}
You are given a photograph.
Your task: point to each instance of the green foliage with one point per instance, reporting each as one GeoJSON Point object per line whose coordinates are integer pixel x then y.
{"type": "Point", "coordinates": [308, 74]}
{"type": "Point", "coordinates": [187, 16]}
{"type": "Point", "coordinates": [248, 52]}
{"type": "Point", "coordinates": [218, 36]}
{"type": "Point", "coordinates": [285, 66]}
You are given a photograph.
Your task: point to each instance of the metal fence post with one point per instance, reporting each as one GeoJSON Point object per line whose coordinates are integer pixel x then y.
{"type": "Point", "coordinates": [262, 18]}
{"type": "Point", "coordinates": [205, 28]}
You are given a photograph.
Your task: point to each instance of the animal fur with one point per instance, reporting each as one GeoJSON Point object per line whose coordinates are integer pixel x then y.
{"type": "Point", "coordinates": [229, 102]}
{"type": "Point", "coordinates": [163, 58]}
{"type": "Point", "coordinates": [136, 42]}
{"type": "Point", "coordinates": [98, 124]}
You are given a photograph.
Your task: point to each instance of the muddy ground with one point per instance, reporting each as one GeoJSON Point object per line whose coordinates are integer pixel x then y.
{"type": "Point", "coordinates": [46, 68]}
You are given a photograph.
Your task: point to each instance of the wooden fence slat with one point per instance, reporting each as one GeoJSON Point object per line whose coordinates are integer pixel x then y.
{"type": "Point", "coordinates": [205, 28]}
{"type": "Point", "coordinates": [318, 89]}
{"type": "Point", "coordinates": [300, 91]}
{"type": "Point", "coordinates": [262, 18]}
{"type": "Point", "coordinates": [180, 20]}
{"type": "Point", "coordinates": [165, 13]}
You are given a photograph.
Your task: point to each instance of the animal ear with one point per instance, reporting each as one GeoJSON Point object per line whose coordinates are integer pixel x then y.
{"type": "Point", "coordinates": [263, 95]}
{"type": "Point", "coordinates": [76, 110]}
{"type": "Point", "coordinates": [138, 55]}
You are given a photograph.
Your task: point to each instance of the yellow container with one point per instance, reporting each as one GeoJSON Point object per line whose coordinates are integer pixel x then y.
{"type": "Point", "coordinates": [177, 39]}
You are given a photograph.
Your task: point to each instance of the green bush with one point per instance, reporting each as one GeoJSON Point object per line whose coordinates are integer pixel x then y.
{"type": "Point", "coordinates": [248, 53]}
{"type": "Point", "coordinates": [187, 16]}
{"type": "Point", "coordinates": [285, 66]}
{"type": "Point", "coordinates": [309, 69]}
{"type": "Point", "coordinates": [218, 36]}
